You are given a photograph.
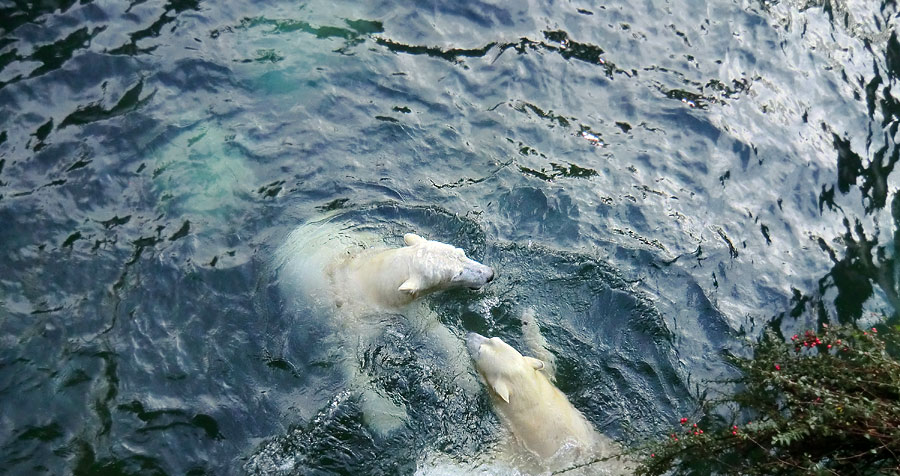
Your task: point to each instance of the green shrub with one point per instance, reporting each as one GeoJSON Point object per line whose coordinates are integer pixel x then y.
{"type": "Point", "coordinates": [820, 403]}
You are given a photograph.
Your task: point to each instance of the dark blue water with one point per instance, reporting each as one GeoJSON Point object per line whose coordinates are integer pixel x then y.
{"type": "Point", "coordinates": [659, 180]}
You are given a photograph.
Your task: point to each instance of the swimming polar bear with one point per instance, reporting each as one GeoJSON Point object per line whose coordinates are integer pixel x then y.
{"type": "Point", "coordinates": [536, 412]}
{"type": "Point", "coordinates": [331, 263]}
{"type": "Point", "coordinates": [553, 433]}
{"type": "Point", "coordinates": [336, 270]}
{"type": "Point", "coordinates": [395, 277]}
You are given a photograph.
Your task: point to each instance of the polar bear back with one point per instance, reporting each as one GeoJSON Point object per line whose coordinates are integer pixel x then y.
{"type": "Point", "coordinates": [301, 260]}
{"type": "Point", "coordinates": [545, 421]}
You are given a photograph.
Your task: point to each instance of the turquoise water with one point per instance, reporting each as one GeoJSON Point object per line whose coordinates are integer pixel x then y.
{"type": "Point", "coordinates": [658, 180]}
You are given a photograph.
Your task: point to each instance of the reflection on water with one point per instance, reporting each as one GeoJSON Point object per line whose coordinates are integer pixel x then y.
{"type": "Point", "coordinates": [657, 180]}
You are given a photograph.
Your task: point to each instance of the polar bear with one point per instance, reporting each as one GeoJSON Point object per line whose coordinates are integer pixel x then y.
{"type": "Point", "coordinates": [553, 433]}
{"type": "Point", "coordinates": [393, 278]}
{"type": "Point", "coordinates": [537, 413]}
{"type": "Point", "coordinates": [337, 266]}
{"type": "Point", "coordinates": [337, 270]}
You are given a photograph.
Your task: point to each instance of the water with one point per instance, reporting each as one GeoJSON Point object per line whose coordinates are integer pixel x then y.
{"type": "Point", "coordinates": [658, 180]}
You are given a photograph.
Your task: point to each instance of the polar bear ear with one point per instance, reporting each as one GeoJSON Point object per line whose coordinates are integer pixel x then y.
{"type": "Point", "coordinates": [501, 389]}
{"type": "Point", "coordinates": [412, 239]}
{"type": "Point", "coordinates": [410, 286]}
{"type": "Point", "coordinates": [535, 363]}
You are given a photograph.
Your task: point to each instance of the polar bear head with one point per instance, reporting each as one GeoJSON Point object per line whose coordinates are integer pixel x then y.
{"type": "Point", "coordinates": [435, 266]}
{"type": "Point", "coordinates": [503, 368]}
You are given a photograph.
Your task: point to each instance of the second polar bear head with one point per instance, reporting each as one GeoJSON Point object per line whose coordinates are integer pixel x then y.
{"type": "Point", "coordinates": [503, 368]}
{"type": "Point", "coordinates": [436, 266]}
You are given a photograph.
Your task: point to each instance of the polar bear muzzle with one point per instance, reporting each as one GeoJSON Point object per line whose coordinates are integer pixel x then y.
{"type": "Point", "coordinates": [442, 266]}
{"type": "Point", "coordinates": [474, 275]}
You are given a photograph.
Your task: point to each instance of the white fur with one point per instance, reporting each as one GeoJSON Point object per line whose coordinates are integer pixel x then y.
{"type": "Point", "coordinates": [542, 421]}
{"type": "Point", "coordinates": [340, 267]}
{"type": "Point", "coordinates": [537, 413]}
{"type": "Point", "coordinates": [395, 277]}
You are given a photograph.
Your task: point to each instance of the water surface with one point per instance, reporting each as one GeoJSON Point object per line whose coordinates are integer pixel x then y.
{"type": "Point", "coordinates": [658, 180]}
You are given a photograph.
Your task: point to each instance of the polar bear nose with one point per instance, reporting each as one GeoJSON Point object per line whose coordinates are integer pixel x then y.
{"type": "Point", "coordinates": [473, 343]}
{"type": "Point", "coordinates": [475, 275]}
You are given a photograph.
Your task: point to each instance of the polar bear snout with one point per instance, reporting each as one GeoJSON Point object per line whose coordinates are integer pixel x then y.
{"type": "Point", "coordinates": [474, 275]}
{"type": "Point", "coordinates": [473, 344]}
